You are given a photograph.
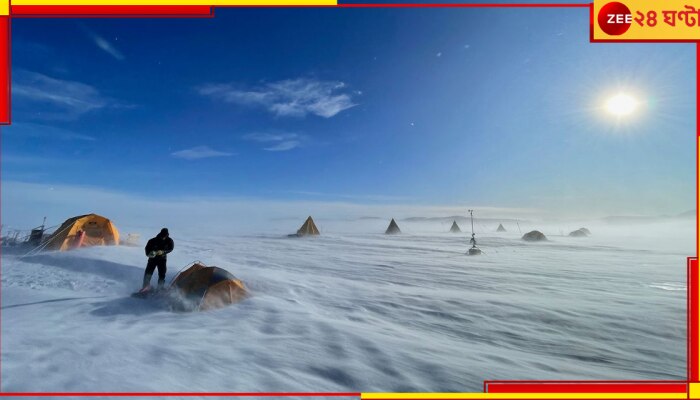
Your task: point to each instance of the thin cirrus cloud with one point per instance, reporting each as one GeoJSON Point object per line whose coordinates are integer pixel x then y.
{"type": "Point", "coordinates": [59, 99]}
{"type": "Point", "coordinates": [283, 146]}
{"type": "Point", "coordinates": [287, 98]}
{"type": "Point", "coordinates": [276, 141]}
{"type": "Point", "coordinates": [103, 44]}
{"type": "Point", "coordinates": [199, 152]}
{"type": "Point", "coordinates": [107, 47]}
{"type": "Point", "coordinates": [45, 132]}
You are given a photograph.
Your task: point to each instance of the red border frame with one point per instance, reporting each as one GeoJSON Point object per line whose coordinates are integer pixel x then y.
{"type": "Point", "coordinates": [5, 70]}
{"type": "Point", "coordinates": [495, 386]}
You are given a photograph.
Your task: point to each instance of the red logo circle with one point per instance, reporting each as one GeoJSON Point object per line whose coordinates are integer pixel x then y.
{"type": "Point", "coordinates": [614, 18]}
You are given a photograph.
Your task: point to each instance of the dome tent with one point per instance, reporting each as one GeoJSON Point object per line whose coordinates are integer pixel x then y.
{"type": "Point", "coordinates": [534, 236]}
{"type": "Point", "coordinates": [455, 228]}
{"type": "Point", "coordinates": [579, 233]}
{"type": "Point", "coordinates": [201, 288]}
{"type": "Point", "coordinates": [83, 231]}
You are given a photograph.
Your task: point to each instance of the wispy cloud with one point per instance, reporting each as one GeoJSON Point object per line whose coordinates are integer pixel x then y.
{"type": "Point", "coordinates": [27, 160]}
{"type": "Point", "coordinates": [284, 146]}
{"type": "Point", "coordinates": [108, 47]}
{"type": "Point", "coordinates": [199, 152]}
{"type": "Point", "coordinates": [287, 98]}
{"type": "Point", "coordinates": [58, 98]}
{"type": "Point", "coordinates": [28, 129]}
{"type": "Point", "coordinates": [277, 141]}
{"type": "Point", "coordinates": [102, 43]}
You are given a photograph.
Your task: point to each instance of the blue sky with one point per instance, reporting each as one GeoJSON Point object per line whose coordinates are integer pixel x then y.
{"type": "Point", "coordinates": [498, 107]}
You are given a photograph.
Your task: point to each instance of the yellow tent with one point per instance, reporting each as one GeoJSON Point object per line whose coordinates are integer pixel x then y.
{"type": "Point", "coordinates": [309, 228]}
{"type": "Point", "coordinates": [205, 288]}
{"type": "Point", "coordinates": [83, 231]}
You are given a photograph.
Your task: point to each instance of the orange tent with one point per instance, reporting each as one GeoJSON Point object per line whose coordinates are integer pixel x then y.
{"type": "Point", "coordinates": [83, 231]}
{"type": "Point", "coordinates": [200, 288]}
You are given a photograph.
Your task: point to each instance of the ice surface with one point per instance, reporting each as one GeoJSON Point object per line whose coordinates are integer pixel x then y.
{"type": "Point", "coordinates": [355, 310]}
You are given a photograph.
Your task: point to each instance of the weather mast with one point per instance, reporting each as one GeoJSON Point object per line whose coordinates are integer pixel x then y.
{"type": "Point", "coordinates": [473, 251]}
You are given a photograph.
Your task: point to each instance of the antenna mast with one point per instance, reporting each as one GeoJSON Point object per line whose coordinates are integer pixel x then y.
{"type": "Point", "coordinates": [471, 215]}
{"type": "Point", "coordinates": [473, 250]}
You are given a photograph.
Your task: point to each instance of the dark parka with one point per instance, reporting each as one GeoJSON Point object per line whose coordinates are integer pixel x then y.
{"type": "Point", "coordinates": [160, 243]}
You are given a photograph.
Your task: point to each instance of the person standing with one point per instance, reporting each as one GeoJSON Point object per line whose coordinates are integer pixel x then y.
{"type": "Point", "coordinates": [157, 250]}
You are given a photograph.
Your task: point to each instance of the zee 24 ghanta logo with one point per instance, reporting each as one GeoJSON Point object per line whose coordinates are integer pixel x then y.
{"type": "Point", "coordinates": [616, 18]}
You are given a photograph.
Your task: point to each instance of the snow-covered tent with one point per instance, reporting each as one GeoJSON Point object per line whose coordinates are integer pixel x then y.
{"type": "Point", "coordinates": [579, 233]}
{"type": "Point", "coordinates": [393, 228]}
{"type": "Point", "coordinates": [200, 288]}
{"type": "Point", "coordinates": [534, 236]}
{"type": "Point", "coordinates": [83, 231]}
{"type": "Point", "coordinates": [455, 228]}
{"type": "Point", "coordinates": [500, 228]}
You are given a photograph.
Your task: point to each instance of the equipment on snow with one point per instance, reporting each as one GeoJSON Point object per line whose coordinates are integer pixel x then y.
{"type": "Point", "coordinates": [473, 251]}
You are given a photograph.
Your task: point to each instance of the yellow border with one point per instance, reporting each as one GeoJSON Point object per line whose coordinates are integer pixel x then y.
{"type": "Point", "coordinates": [694, 390]}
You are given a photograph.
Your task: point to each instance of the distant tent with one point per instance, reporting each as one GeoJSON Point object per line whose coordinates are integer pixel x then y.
{"type": "Point", "coordinates": [500, 228]}
{"type": "Point", "coordinates": [393, 228]}
{"type": "Point", "coordinates": [201, 288]}
{"type": "Point", "coordinates": [308, 229]}
{"type": "Point", "coordinates": [83, 231]}
{"type": "Point", "coordinates": [579, 233]}
{"type": "Point", "coordinates": [534, 236]}
{"type": "Point", "coordinates": [455, 228]}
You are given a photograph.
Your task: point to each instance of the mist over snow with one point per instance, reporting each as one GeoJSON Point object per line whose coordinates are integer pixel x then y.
{"type": "Point", "coordinates": [25, 204]}
{"type": "Point", "coordinates": [350, 310]}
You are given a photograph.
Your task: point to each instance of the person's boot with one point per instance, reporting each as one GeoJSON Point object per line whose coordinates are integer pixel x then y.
{"type": "Point", "coordinates": [161, 284]}
{"type": "Point", "coordinates": [146, 281]}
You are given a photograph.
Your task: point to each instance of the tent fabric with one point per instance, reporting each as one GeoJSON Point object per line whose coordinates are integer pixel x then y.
{"type": "Point", "coordinates": [206, 288]}
{"type": "Point", "coordinates": [534, 236]}
{"type": "Point", "coordinates": [500, 228]}
{"type": "Point", "coordinates": [393, 228]}
{"type": "Point", "coordinates": [308, 229]}
{"type": "Point", "coordinates": [455, 228]}
{"type": "Point", "coordinates": [83, 231]}
{"type": "Point", "coordinates": [578, 233]}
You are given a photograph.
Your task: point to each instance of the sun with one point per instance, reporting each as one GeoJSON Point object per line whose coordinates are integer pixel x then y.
{"type": "Point", "coordinates": [621, 105]}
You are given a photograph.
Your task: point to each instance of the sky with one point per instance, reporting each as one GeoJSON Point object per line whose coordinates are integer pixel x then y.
{"type": "Point", "coordinates": [425, 107]}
